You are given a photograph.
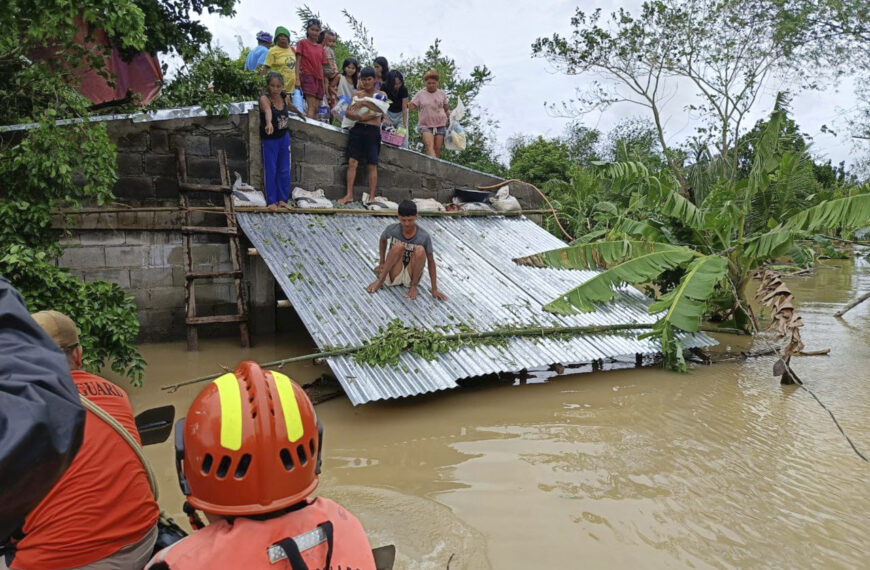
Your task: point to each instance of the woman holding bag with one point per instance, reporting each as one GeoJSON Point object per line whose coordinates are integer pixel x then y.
{"type": "Point", "coordinates": [431, 103]}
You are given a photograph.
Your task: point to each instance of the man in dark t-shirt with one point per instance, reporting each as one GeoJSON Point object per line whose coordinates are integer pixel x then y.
{"type": "Point", "coordinates": [404, 250]}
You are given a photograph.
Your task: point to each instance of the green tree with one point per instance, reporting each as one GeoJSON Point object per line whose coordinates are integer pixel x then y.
{"type": "Point", "coordinates": [171, 25]}
{"type": "Point", "coordinates": [68, 164]}
{"type": "Point", "coordinates": [725, 52]}
{"type": "Point", "coordinates": [538, 160]}
{"type": "Point", "coordinates": [212, 80]}
{"type": "Point", "coordinates": [635, 140]}
{"type": "Point", "coordinates": [725, 240]}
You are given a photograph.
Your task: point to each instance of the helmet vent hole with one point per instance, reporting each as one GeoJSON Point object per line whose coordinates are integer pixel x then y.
{"type": "Point", "coordinates": [254, 413]}
{"type": "Point", "coordinates": [206, 463]}
{"type": "Point", "coordinates": [311, 446]}
{"type": "Point", "coordinates": [286, 459]}
{"type": "Point", "coordinates": [243, 465]}
{"type": "Point", "coordinates": [223, 467]}
{"type": "Point", "coordinates": [300, 451]}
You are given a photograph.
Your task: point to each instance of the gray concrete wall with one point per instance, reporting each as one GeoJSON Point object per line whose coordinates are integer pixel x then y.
{"type": "Point", "coordinates": [141, 250]}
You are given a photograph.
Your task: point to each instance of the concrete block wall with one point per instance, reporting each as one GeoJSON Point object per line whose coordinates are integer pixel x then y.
{"type": "Point", "coordinates": [148, 265]}
{"type": "Point", "coordinates": [147, 165]}
{"type": "Point", "coordinates": [141, 251]}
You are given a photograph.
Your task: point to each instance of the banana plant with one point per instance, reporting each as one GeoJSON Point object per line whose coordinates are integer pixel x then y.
{"type": "Point", "coordinates": [719, 247]}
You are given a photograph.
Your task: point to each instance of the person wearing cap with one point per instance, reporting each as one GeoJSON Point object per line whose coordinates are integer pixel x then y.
{"type": "Point", "coordinates": [364, 137]}
{"type": "Point", "coordinates": [405, 248]}
{"type": "Point", "coordinates": [282, 58]}
{"type": "Point", "coordinates": [257, 57]}
{"type": "Point", "coordinates": [101, 513]}
{"type": "Point", "coordinates": [248, 456]}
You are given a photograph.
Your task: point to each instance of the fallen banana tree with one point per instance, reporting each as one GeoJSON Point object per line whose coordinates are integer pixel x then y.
{"type": "Point", "coordinates": [718, 245]}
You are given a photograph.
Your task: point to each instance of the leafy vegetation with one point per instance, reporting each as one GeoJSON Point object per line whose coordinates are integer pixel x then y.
{"type": "Point", "coordinates": [701, 254]}
{"type": "Point", "coordinates": [212, 80]}
{"type": "Point", "coordinates": [52, 165]}
{"type": "Point", "coordinates": [396, 338]}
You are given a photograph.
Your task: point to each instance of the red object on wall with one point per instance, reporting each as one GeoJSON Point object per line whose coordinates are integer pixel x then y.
{"type": "Point", "coordinates": [141, 75]}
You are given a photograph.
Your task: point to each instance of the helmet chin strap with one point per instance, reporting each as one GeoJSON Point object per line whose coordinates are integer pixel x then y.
{"type": "Point", "coordinates": [192, 516]}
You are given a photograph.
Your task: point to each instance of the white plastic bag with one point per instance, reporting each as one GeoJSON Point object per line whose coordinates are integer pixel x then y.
{"type": "Point", "coordinates": [456, 139]}
{"type": "Point", "coordinates": [504, 202]}
{"type": "Point", "coordinates": [429, 205]}
{"type": "Point", "coordinates": [379, 203]}
{"type": "Point", "coordinates": [308, 199]}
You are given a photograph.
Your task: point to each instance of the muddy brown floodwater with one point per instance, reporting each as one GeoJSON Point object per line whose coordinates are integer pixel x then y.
{"type": "Point", "coordinates": [639, 468]}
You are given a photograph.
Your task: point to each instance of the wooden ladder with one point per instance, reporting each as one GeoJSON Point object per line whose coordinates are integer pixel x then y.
{"type": "Point", "coordinates": [231, 230]}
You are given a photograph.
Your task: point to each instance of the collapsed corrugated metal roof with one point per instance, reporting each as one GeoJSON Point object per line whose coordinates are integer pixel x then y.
{"type": "Point", "coordinates": [324, 262]}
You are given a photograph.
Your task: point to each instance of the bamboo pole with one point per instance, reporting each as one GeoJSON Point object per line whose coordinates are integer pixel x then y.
{"type": "Point", "coordinates": [526, 332]}
{"type": "Point", "coordinates": [325, 211]}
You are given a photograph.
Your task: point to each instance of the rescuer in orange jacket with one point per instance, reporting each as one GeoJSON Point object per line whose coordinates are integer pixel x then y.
{"type": "Point", "coordinates": [248, 456]}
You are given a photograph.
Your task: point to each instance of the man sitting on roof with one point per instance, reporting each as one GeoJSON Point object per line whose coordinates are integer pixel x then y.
{"type": "Point", "coordinates": [410, 247]}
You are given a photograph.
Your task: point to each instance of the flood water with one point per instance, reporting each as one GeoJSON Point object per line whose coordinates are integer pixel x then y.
{"type": "Point", "coordinates": [642, 468]}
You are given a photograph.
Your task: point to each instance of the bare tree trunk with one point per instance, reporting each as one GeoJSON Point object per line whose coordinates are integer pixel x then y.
{"type": "Point", "coordinates": [852, 304]}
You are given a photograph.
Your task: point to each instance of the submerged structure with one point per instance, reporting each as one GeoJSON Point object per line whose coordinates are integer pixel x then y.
{"type": "Point", "coordinates": [323, 263]}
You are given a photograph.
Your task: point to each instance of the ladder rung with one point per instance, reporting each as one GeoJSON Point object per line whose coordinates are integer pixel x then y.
{"type": "Point", "coordinates": [209, 230]}
{"type": "Point", "coordinates": [216, 319]}
{"type": "Point", "coordinates": [210, 274]}
{"type": "Point", "coordinates": [190, 187]}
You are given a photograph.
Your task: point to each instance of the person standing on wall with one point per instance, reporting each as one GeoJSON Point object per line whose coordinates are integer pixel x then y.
{"type": "Point", "coordinates": [397, 114]}
{"type": "Point", "coordinates": [364, 138]}
{"type": "Point", "coordinates": [248, 456]}
{"type": "Point", "coordinates": [282, 58]}
{"type": "Point", "coordinates": [275, 108]}
{"type": "Point", "coordinates": [102, 512]}
{"type": "Point", "coordinates": [310, 59]}
{"type": "Point", "coordinates": [382, 69]}
{"type": "Point", "coordinates": [257, 57]}
{"type": "Point", "coordinates": [431, 102]}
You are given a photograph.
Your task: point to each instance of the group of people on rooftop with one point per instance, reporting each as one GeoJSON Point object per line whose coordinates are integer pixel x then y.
{"type": "Point", "coordinates": [375, 95]}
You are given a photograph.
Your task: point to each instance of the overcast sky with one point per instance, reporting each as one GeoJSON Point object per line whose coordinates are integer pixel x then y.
{"type": "Point", "coordinates": [499, 34]}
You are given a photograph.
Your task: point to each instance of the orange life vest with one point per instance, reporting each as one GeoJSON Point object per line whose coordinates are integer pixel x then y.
{"type": "Point", "coordinates": [319, 530]}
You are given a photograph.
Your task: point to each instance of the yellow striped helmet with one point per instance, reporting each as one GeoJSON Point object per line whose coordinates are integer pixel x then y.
{"type": "Point", "coordinates": [250, 444]}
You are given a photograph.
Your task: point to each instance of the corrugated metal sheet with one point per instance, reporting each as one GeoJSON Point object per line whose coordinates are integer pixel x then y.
{"type": "Point", "coordinates": [323, 264]}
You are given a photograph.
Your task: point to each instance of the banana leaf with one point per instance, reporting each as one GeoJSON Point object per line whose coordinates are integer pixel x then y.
{"type": "Point", "coordinates": [594, 255]}
{"type": "Point", "coordinates": [849, 213]}
{"type": "Point", "coordinates": [686, 304]}
{"type": "Point", "coordinates": [639, 269]}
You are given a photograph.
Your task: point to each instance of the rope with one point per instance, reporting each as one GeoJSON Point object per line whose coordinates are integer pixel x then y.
{"type": "Point", "coordinates": [775, 349]}
{"type": "Point", "coordinates": [836, 423]}
{"type": "Point", "coordinates": [137, 449]}
{"type": "Point", "coordinates": [552, 209]}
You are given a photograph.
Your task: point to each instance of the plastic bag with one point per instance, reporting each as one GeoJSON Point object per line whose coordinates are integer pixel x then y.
{"type": "Point", "coordinates": [456, 139]}
{"type": "Point", "coordinates": [340, 107]}
{"type": "Point", "coordinates": [308, 199]}
{"type": "Point", "coordinates": [504, 202]}
{"type": "Point", "coordinates": [428, 205]}
{"type": "Point", "coordinates": [298, 100]}
{"type": "Point", "coordinates": [379, 203]}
